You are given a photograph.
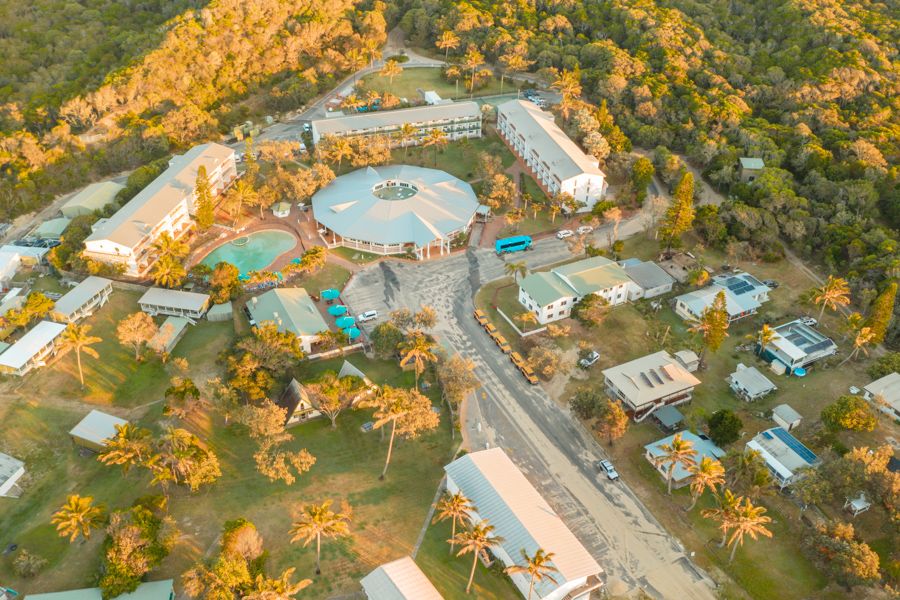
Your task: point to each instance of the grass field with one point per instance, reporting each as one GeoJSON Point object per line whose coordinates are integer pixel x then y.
{"type": "Point", "coordinates": [360, 257]}
{"type": "Point", "coordinates": [459, 158]}
{"type": "Point", "coordinates": [408, 84]}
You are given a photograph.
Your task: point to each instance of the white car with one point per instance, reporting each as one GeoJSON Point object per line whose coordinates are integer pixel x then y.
{"type": "Point", "coordinates": [369, 315]}
{"type": "Point", "coordinates": [808, 321]}
{"type": "Point", "coordinates": [584, 229]}
{"type": "Point", "coordinates": [589, 360]}
{"type": "Point", "coordinates": [564, 233]}
{"type": "Point", "coordinates": [607, 467]}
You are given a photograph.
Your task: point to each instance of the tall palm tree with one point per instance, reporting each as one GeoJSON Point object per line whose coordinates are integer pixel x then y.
{"type": "Point", "coordinates": [455, 507]}
{"type": "Point", "coordinates": [130, 446]}
{"type": "Point", "coordinates": [404, 135]}
{"type": "Point", "coordinates": [527, 318]}
{"type": "Point", "coordinates": [239, 194]}
{"type": "Point", "coordinates": [317, 520]}
{"type": "Point", "coordinates": [747, 519]}
{"type": "Point", "coordinates": [79, 339]}
{"type": "Point", "coordinates": [339, 148]}
{"type": "Point", "coordinates": [833, 295]}
{"type": "Point", "coordinates": [390, 70]}
{"type": "Point", "coordinates": [419, 349]}
{"type": "Point", "coordinates": [476, 540]}
{"type": "Point", "coordinates": [77, 517]}
{"type": "Point", "coordinates": [436, 138]}
{"type": "Point", "coordinates": [568, 84]}
{"type": "Point", "coordinates": [391, 404]}
{"type": "Point", "coordinates": [166, 245]}
{"type": "Point", "coordinates": [864, 337]}
{"type": "Point", "coordinates": [706, 475]}
{"type": "Point", "coordinates": [764, 337]}
{"type": "Point", "coordinates": [168, 272]}
{"type": "Point", "coordinates": [276, 588]}
{"type": "Point", "coordinates": [447, 41]}
{"type": "Point", "coordinates": [678, 452]}
{"type": "Point", "coordinates": [723, 513]}
{"type": "Point", "coordinates": [472, 60]}
{"type": "Point", "coordinates": [538, 567]}
{"type": "Point", "coordinates": [516, 269]}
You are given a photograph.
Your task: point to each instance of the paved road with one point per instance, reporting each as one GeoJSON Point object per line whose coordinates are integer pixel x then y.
{"type": "Point", "coordinates": [548, 444]}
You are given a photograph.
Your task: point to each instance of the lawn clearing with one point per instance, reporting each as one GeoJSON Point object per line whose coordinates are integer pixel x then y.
{"type": "Point", "coordinates": [460, 158]}
{"type": "Point", "coordinates": [360, 257]}
{"type": "Point", "coordinates": [330, 276]}
{"type": "Point", "coordinates": [407, 85]}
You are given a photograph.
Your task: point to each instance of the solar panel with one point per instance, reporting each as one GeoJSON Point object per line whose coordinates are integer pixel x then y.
{"type": "Point", "coordinates": [795, 445]}
{"type": "Point", "coordinates": [767, 435]}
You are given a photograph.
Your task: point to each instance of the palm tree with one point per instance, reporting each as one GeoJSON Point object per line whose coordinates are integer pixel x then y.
{"type": "Point", "coordinates": [447, 42]}
{"type": "Point", "coordinates": [764, 337]}
{"type": "Point", "coordinates": [516, 269]}
{"type": "Point", "coordinates": [723, 513]}
{"type": "Point", "coordinates": [455, 507]}
{"type": "Point", "coordinates": [476, 540]}
{"type": "Point", "coordinates": [79, 339]}
{"type": "Point", "coordinates": [420, 350]}
{"type": "Point", "coordinates": [678, 452]}
{"type": "Point", "coordinates": [706, 475]}
{"type": "Point", "coordinates": [77, 517]}
{"type": "Point", "coordinates": [350, 101]}
{"type": "Point", "coordinates": [240, 193]}
{"type": "Point", "coordinates": [527, 318]}
{"type": "Point", "coordinates": [317, 520]}
{"type": "Point", "coordinates": [130, 446]}
{"type": "Point", "coordinates": [747, 519]}
{"type": "Point", "coordinates": [390, 70]}
{"type": "Point", "coordinates": [833, 295]}
{"type": "Point", "coordinates": [436, 138]}
{"type": "Point", "coordinates": [404, 135]}
{"type": "Point", "coordinates": [168, 272]}
{"type": "Point", "coordinates": [538, 567]}
{"type": "Point", "coordinates": [568, 84]}
{"type": "Point", "coordinates": [864, 337]}
{"type": "Point", "coordinates": [339, 149]}
{"type": "Point", "coordinates": [278, 588]}
{"type": "Point", "coordinates": [472, 60]}
{"type": "Point", "coordinates": [390, 405]}
{"type": "Point", "coordinates": [166, 245]}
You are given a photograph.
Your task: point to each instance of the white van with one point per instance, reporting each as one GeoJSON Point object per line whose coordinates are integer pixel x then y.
{"type": "Point", "coordinates": [369, 315]}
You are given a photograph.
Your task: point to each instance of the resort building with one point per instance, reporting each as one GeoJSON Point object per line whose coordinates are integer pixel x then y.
{"type": "Point", "coordinates": [93, 431]}
{"type": "Point", "coordinates": [559, 165]}
{"type": "Point", "coordinates": [175, 303]}
{"type": "Point", "coordinates": [795, 346]}
{"type": "Point", "coordinates": [151, 590]}
{"type": "Point", "coordinates": [648, 383]}
{"type": "Point", "coordinates": [702, 446]}
{"type": "Point", "coordinates": [744, 294]}
{"type": "Point", "coordinates": [32, 350]}
{"type": "Point", "coordinates": [94, 197]}
{"type": "Point", "coordinates": [550, 295]}
{"type": "Point", "coordinates": [884, 394]}
{"type": "Point", "coordinates": [749, 384]}
{"type": "Point", "coordinates": [648, 279]}
{"type": "Point", "coordinates": [164, 206]}
{"type": "Point", "coordinates": [401, 579]}
{"type": "Point", "coordinates": [10, 261]}
{"type": "Point", "coordinates": [525, 522]}
{"type": "Point", "coordinates": [785, 456]}
{"type": "Point", "coordinates": [169, 334]}
{"type": "Point", "coordinates": [82, 300]}
{"type": "Point", "coordinates": [11, 470]}
{"type": "Point", "coordinates": [295, 401]}
{"type": "Point", "coordinates": [456, 119]}
{"type": "Point", "coordinates": [395, 209]}
{"type": "Point", "coordinates": [29, 256]}
{"type": "Point", "coordinates": [290, 309]}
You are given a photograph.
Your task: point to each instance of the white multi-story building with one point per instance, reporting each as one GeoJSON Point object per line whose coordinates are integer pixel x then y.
{"type": "Point", "coordinates": [560, 166]}
{"type": "Point", "coordinates": [164, 206]}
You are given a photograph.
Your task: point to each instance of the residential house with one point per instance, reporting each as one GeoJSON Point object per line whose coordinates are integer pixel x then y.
{"type": "Point", "coordinates": [295, 401]}
{"type": "Point", "coordinates": [559, 165]}
{"type": "Point", "coordinates": [175, 303]}
{"type": "Point", "coordinates": [81, 301]}
{"type": "Point", "coordinates": [29, 256]}
{"type": "Point", "coordinates": [681, 476]}
{"type": "Point", "coordinates": [884, 394]}
{"type": "Point", "coordinates": [401, 579]}
{"type": "Point", "coordinates": [95, 429]}
{"type": "Point", "coordinates": [744, 294]}
{"type": "Point", "coordinates": [784, 455]}
{"type": "Point", "coordinates": [550, 295]}
{"type": "Point", "coordinates": [786, 417]}
{"type": "Point", "coordinates": [291, 309]}
{"type": "Point", "coordinates": [33, 349]}
{"type": "Point", "coordinates": [749, 384]}
{"type": "Point", "coordinates": [168, 335]}
{"type": "Point", "coordinates": [11, 470]}
{"type": "Point", "coordinates": [164, 206]}
{"type": "Point", "coordinates": [750, 168]}
{"type": "Point", "coordinates": [648, 383]}
{"type": "Point", "coordinates": [524, 521]}
{"type": "Point", "coordinates": [797, 345]}
{"type": "Point", "coordinates": [150, 590]}
{"type": "Point", "coordinates": [94, 197]}
{"type": "Point", "coordinates": [457, 120]}
{"type": "Point", "coordinates": [648, 279]}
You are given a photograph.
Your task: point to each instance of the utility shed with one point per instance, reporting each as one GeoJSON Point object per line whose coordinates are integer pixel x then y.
{"type": "Point", "coordinates": [401, 579]}
{"type": "Point", "coordinates": [749, 384]}
{"type": "Point", "coordinates": [11, 470]}
{"type": "Point", "coordinates": [786, 417]}
{"type": "Point", "coordinates": [220, 312]}
{"type": "Point", "coordinates": [169, 334]}
{"type": "Point", "coordinates": [93, 430]}
{"type": "Point", "coordinates": [52, 229]}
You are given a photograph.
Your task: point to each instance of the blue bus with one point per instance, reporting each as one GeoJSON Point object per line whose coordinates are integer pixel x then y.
{"type": "Point", "coordinates": [517, 243]}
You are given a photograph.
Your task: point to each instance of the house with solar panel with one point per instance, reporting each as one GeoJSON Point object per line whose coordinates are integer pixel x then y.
{"type": "Point", "coordinates": [648, 383]}
{"type": "Point", "coordinates": [785, 456]}
{"type": "Point", "coordinates": [744, 295]}
{"type": "Point", "coordinates": [795, 346]}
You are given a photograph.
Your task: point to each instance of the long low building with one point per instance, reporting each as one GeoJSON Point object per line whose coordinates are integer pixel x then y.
{"type": "Point", "coordinates": [401, 579]}
{"type": "Point", "coordinates": [796, 345]}
{"type": "Point", "coordinates": [648, 383]}
{"type": "Point", "coordinates": [174, 303]}
{"type": "Point", "coordinates": [785, 456]}
{"type": "Point", "coordinates": [95, 429]}
{"type": "Point", "coordinates": [94, 197]}
{"type": "Point", "coordinates": [884, 394]}
{"type": "Point", "coordinates": [456, 119]}
{"type": "Point", "coordinates": [83, 299]}
{"type": "Point", "coordinates": [11, 470]}
{"type": "Point", "coordinates": [33, 349]}
{"type": "Point", "coordinates": [164, 206]}
{"type": "Point", "coordinates": [290, 309]}
{"type": "Point", "coordinates": [525, 521]}
{"type": "Point", "coordinates": [559, 165]}
{"type": "Point", "coordinates": [150, 590]}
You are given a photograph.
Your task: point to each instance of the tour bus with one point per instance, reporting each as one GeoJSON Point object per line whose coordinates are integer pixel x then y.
{"type": "Point", "coordinates": [516, 243]}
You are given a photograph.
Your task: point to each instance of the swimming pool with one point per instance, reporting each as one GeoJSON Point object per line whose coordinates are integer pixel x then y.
{"type": "Point", "coordinates": [253, 252]}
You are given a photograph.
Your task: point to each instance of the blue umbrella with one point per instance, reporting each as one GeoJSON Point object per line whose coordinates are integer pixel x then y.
{"type": "Point", "coordinates": [345, 322]}
{"type": "Point", "coordinates": [337, 310]}
{"type": "Point", "coordinates": [352, 332]}
{"type": "Point", "coordinates": [330, 294]}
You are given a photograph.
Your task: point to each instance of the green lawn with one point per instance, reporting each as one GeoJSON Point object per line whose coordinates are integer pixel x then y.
{"type": "Point", "coordinates": [407, 84]}
{"type": "Point", "coordinates": [360, 257]}
{"type": "Point", "coordinates": [459, 158]}
{"type": "Point", "coordinates": [330, 276]}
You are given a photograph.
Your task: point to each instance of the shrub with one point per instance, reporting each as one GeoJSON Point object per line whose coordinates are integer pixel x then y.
{"type": "Point", "coordinates": [28, 565]}
{"type": "Point", "coordinates": [724, 427]}
{"type": "Point", "coordinates": [849, 412]}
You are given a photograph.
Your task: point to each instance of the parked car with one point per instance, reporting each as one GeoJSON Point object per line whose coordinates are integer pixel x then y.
{"type": "Point", "coordinates": [369, 315]}
{"type": "Point", "coordinates": [770, 283]}
{"type": "Point", "coordinates": [307, 128]}
{"type": "Point", "coordinates": [584, 230]}
{"type": "Point", "coordinates": [589, 360]}
{"type": "Point", "coordinates": [564, 233]}
{"type": "Point", "coordinates": [808, 321]}
{"type": "Point", "coordinates": [604, 466]}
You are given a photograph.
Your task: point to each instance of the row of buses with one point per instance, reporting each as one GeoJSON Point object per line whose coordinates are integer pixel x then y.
{"type": "Point", "coordinates": [505, 348]}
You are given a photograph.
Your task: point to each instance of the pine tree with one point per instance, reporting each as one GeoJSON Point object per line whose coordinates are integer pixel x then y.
{"type": "Point", "coordinates": [203, 203]}
{"type": "Point", "coordinates": [882, 311]}
{"type": "Point", "coordinates": [680, 215]}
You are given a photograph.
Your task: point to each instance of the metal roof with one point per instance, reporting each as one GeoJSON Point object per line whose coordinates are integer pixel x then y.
{"type": "Point", "coordinates": [150, 206]}
{"type": "Point", "coordinates": [786, 413]}
{"type": "Point", "coordinates": [168, 333]}
{"type": "Point", "coordinates": [97, 427]}
{"type": "Point", "coordinates": [887, 388]}
{"type": "Point", "coordinates": [785, 453]}
{"type": "Point", "coordinates": [349, 369]}
{"type": "Point", "coordinates": [753, 164]}
{"type": "Point", "coordinates": [545, 288]}
{"type": "Point", "coordinates": [17, 356]}
{"type": "Point", "coordinates": [9, 466]}
{"type": "Point", "coordinates": [592, 275]}
{"type": "Point", "coordinates": [702, 447]}
{"type": "Point", "coordinates": [401, 579]}
{"type": "Point", "coordinates": [52, 228]}
{"type": "Point", "coordinates": [174, 299]}
{"type": "Point", "coordinates": [650, 377]}
{"type": "Point", "coordinates": [349, 124]}
{"type": "Point", "coordinates": [798, 340]}
{"type": "Point", "coordinates": [80, 294]}
{"type": "Point", "coordinates": [668, 416]}
{"type": "Point", "coordinates": [648, 275]}
{"type": "Point", "coordinates": [441, 204]}
{"type": "Point", "coordinates": [553, 145]}
{"type": "Point", "coordinates": [750, 379]}
{"type": "Point", "coordinates": [94, 197]}
{"type": "Point", "coordinates": [151, 590]}
{"type": "Point", "coordinates": [519, 514]}
{"type": "Point", "coordinates": [291, 309]}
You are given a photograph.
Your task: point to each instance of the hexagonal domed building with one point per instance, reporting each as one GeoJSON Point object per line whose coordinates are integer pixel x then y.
{"type": "Point", "coordinates": [391, 209]}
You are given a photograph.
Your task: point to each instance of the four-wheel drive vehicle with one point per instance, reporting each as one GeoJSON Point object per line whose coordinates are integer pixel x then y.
{"type": "Point", "coordinates": [808, 321]}
{"type": "Point", "coordinates": [481, 317]}
{"type": "Point", "coordinates": [589, 360]}
{"type": "Point", "coordinates": [607, 467]}
{"type": "Point", "coordinates": [369, 315]}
